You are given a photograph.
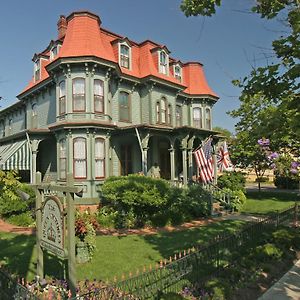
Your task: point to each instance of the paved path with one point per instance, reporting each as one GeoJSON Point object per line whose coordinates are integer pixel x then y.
{"type": "Point", "coordinates": [287, 288]}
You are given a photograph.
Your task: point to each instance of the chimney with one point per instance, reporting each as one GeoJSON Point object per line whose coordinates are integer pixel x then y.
{"type": "Point", "coordinates": [62, 26]}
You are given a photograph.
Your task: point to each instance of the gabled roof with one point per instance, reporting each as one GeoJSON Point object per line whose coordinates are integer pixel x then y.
{"type": "Point", "coordinates": [85, 37]}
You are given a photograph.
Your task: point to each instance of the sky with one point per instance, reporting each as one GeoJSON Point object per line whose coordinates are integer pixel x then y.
{"type": "Point", "coordinates": [228, 44]}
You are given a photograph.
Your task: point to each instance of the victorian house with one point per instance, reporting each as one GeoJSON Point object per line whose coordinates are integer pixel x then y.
{"type": "Point", "coordinates": [100, 104]}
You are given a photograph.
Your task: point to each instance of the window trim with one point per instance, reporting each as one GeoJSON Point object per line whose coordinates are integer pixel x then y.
{"type": "Point", "coordinates": [129, 107]}
{"type": "Point", "coordinates": [85, 159]}
{"type": "Point", "coordinates": [73, 80]}
{"type": "Point", "coordinates": [37, 69]}
{"type": "Point", "coordinates": [103, 159]}
{"type": "Point", "coordinates": [101, 99]}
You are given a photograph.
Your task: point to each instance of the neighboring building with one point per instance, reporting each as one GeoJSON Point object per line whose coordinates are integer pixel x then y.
{"type": "Point", "coordinates": [100, 104]}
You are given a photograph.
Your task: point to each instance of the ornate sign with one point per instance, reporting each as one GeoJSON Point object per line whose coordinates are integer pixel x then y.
{"type": "Point", "coordinates": [53, 226]}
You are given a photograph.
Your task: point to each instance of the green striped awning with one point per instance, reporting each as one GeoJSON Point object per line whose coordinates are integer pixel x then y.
{"type": "Point", "coordinates": [15, 156]}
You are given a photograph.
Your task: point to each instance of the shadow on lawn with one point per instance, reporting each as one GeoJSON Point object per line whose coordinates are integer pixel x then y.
{"type": "Point", "coordinates": [17, 253]}
{"type": "Point", "coordinates": [273, 195]}
{"type": "Point", "coordinates": [169, 243]}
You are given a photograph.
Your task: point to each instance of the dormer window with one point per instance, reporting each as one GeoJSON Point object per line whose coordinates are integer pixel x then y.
{"type": "Point", "coordinates": [125, 56]}
{"type": "Point", "coordinates": [163, 63]}
{"type": "Point", "coordinates": [177, 72]}
{"type": "Point", "coordinates": [37, 70]}
{"type": "Point", "coordinates": [53, 52]}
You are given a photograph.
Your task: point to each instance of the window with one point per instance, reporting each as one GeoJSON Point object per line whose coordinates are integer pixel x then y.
{"type": "Point", "coordinates": [62, 160]}
{"type": "Point", "coordinates": [126, 160]}
{"type": "Point", "coordinates": [124, 56]}
{"type": "Point", "coordinates": [53, 52]}
{"type": "Point", "coordinates": [177, 72]}
{"type": "Point", "coordinates": [98, 96]}
{"type": "Point", "coordinates": [178, 115]}
{"type": "Point", "coordinates": [163, 63]}
{"type": "Point", "coordinates": [37, 70]}
{"type": "Point", "coordinates": [34, 109]}
{"type": "Point", "coordinates": [2, 129]}
{"type": "Point", "coordinates": [207, 118]}
{"type": "Point", "coordinates": [124, 107]}
{"type": "Point", "coordinates": [169, 121]}
{"type": "Point", "coordinates": [79, 94]}
{"type": "Point", "coordinates": [62, 98]}
{"type": "Point", "coordinates": [163, 112]}
{"type": "Point", "coordinates": [79, 157]}
{"type": "Point", "coordinates": [197, 112]}
{"type": "Point", "coordinates": [99, 158]}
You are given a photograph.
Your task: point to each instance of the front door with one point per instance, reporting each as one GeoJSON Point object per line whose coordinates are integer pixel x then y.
{"type": "Point", "coordinates": [164, 162]}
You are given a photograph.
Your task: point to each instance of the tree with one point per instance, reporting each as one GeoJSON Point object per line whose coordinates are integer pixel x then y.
{"type": "Point", "coordinates": [269, 101]}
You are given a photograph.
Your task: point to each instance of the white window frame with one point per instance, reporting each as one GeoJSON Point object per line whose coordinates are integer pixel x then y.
{"type": "Point", "coordinates": [98, 97]}
{"type": "Point", "coordinates": [198, 123]}
{"type": "Point", "coordinates": [62, 98]}
{"type": "Point", "coordinates": [208, 118]}
{"type": "Point", "coordinates": [177, 75]}
{"type": "Point", "coordinates": [63, 159]}
{"type": "Point", "coordinates": [99, 159]}
{"type": "Point", "coordinates": [163, 67]}
{"type": "Point", "coordinates": [37, 69]}
{"type": "Point", "coordinates": [80, 94]}
{"type": "Point", "coordinates": [80, 159]}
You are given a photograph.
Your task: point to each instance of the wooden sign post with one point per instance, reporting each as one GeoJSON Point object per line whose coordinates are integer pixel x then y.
{"type": "Point", "coordinates": [54, 204]}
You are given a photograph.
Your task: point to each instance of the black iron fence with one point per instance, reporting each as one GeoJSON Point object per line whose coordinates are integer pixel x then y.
{"type": "Point", "coordinates": [10, 289]}
{"type": "Point", "coordinates": [201, 262]}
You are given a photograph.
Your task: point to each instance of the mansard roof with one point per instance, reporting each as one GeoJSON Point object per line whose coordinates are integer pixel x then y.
{"type": "Point", "coordinates": [84, 37]}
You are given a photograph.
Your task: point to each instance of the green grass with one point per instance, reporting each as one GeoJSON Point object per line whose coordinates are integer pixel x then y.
{"type": "Point", "coordinates": [114, 255]}
{"type": "Point", "coordinates": [266, 202]}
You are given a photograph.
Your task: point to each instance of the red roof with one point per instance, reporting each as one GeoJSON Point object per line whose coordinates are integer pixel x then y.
{"type": "Point", "coordinates": [85, 37]}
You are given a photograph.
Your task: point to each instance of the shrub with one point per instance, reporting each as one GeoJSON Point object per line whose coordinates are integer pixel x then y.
{"type": "Point", "coordinates": [237, 198]}
{"type": "Point", "coordinates": [232, 180]}
{"type": "Point", "coordinates": [11, 202]}
{"type": "Point", "coordinates": [142, 196]}
{"type": "Point", "coordinates": [268, 252]}
{"type": "Point", "coordinates": [24, 219]}
{"type": "Point", "coordinates": [286, 182]}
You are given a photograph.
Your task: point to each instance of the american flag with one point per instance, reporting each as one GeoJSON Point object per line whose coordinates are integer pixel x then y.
{"type": "Point", "coordinates": [203, 158]}
{"type": "Point", "coordinates": [224, 162]}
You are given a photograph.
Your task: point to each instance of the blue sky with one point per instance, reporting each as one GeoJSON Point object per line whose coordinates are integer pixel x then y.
{"type": "Point", "coordinates": [228, 44]}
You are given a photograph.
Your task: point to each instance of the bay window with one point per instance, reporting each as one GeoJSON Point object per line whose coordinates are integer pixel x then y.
{"type": "Point", "coordinates": [62, 160]}
{"type": "Point", "coordinates": [197, 117]}
{"type": "Point", "coordinates": [62, 98]}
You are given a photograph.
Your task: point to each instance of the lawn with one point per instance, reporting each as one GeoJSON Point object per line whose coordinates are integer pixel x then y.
{"type": "Point", "coordinates": [114, 255]}
{"type": "Point", "coordinates": [266, 202]}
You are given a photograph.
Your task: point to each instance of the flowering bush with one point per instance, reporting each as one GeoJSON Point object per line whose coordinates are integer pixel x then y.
{"type": "Point", "coordinates": [86, 225]}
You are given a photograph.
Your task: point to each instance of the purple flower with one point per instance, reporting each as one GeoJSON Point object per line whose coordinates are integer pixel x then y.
{"type": "Point", "coordinates": [263, 142]}
{"type": "Point", "coordinates": [273, 155]}
{"type": "Point", "coordinates": [295, 165]}
{"type": "Point", "coordinates": [294, 171]}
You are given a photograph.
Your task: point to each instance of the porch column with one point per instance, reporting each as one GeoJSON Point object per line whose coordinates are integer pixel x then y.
{"type": "Point", "coordinates": [190, 163]}
{"type": "Point", "coordinates": [145, 160]}
{"type": "Point", "coordinates": [215, 168]}
{"type": "Point", "coordinates": [184, 166]}
{"type": "Point", "coordinates": [190, 157]}
{"type": "Point", "coordinates": [34, 151]}
{"type": "Point", "coordinates": [172, 162]}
